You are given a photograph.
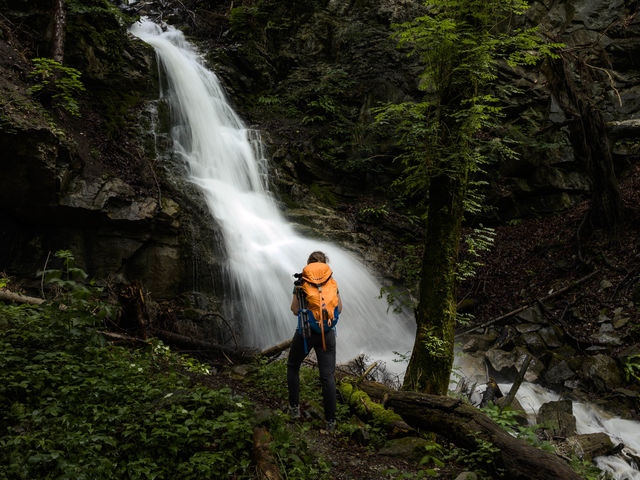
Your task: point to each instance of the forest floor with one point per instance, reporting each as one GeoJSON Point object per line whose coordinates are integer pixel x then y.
{"type": "Point", "coordinates": [536, 257]}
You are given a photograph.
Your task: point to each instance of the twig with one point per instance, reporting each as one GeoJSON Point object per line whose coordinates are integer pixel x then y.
{"type": "Point", "coordinates": [611, 82]}
{"type": "Point", "coordinates": [228, 359]}
{"type": "Point", "coordinates": [362, 377]}
{"type": "Point", "coordinates": [44, 270]}
{"type": "Point", "coordinates": [366, 407]}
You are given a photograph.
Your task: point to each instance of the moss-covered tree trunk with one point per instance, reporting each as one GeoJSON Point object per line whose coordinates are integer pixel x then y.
{"type": "Point", "coordinates": [432, 358]}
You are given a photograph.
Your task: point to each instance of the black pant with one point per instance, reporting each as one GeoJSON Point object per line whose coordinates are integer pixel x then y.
{"type": "Point", "coordinates": [326, 366]}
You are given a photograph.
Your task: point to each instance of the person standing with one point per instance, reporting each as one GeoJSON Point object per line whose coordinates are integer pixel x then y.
{"type": "Point", "coordinates": [317, 303]}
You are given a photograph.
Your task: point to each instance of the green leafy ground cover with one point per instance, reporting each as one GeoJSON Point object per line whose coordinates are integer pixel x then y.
{"type": "Point", "coordinates": [77, 407]}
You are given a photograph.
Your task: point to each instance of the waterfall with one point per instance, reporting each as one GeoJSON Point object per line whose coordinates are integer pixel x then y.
{"type": "Point", "coordinates": [226, 161]}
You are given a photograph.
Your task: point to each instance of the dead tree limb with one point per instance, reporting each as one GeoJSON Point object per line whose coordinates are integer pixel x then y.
{"type": "Point", "coordinates": [276, 349]}
{"type": "Point", "coordinates": [516, 385]}
{"type": "Point", "coordinates": [529, 304]}
{"type": "Point", "coordinates": [464, 425]}
{"type": "Point", "coordinates": [8, 296]}
{"type": "Point", "coordinates": [190, 342]}
{"type": "Point", "coordinates": [265, 463]}
{"type": "Point", "coordinates": [121, 338]}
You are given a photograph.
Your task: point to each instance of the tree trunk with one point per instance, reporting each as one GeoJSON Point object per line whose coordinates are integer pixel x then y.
{"type": "Point", "coordinates": [59, 29]}
{"type": "Point", "coordinates": [466, 425]}
{"type": "Point", "coordinates": [590, 141]}
{"type": "Point", "coordinates": [430, 365]}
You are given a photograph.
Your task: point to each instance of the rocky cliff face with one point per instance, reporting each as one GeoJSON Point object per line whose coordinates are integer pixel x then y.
{"type": "Point", "coordinates": [96, 184]}
{"type": "Point", "coordinates": [307, 75]}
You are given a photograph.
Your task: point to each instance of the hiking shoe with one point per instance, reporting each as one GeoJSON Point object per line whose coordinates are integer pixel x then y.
{"type": "Point", "coordinates": [331, 426]}
{"type": "Point", "coordinates": [294, 411]}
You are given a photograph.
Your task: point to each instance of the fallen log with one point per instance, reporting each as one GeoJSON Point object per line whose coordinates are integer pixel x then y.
{"type": "Point", "coordinates": [9, 296]}
{"type": "Point", "coordinates": [265, 463]}
{"type": "Point", "coordinates": [367, 410]}
{"type": "Point", "coordinates": [465, 425]}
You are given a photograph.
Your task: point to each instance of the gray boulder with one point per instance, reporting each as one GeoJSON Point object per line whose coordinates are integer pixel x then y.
{"type": "Point", "coordinates": [601, 372]}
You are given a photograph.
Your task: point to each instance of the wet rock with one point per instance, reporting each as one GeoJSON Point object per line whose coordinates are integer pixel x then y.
{"type": "Point", "coordinates": [558, 372]}
{"type": "Point", "coordinates": [112, 196]}
{"type": "Point", "coordinates": [507, 364]}
{"type": "Point", "coordinates": [528, 327]}
{"type": "Point", "coordinates": [475, 366]}
{"type": "Point", "coordinates": [411, 448]}
{"type": "Point", "coordinates": [551, 337]}
{"type": "Point", "coordinates": [532, 315]}
{"type": "Point", "coordinates": [606, 336]}
{"type": "Point", "coordinates": [604, 284]}
{"type": "Point", "coordinates": [558, 418]}
{"type": "Point", "coordinates": [507, 338]}
{"type": "Point", "coordinates": [628, 352]}
{"type": "Point", "coordinates": [238, 372]}
{"type": "Point", "coordinates": [588, 446]}
{"type": "Point", "coordinates": [533, 341]}
{"type": "Point", "coordinates": [601, 372]}
{"type": "Point", "coordinates": [620, 322]}
{"type": "Point", "coordinates": [475, 343]}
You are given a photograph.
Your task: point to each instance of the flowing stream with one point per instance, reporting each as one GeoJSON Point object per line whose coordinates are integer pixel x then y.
{"type": "Point", "coordinates": [589, 419]}
{"type": "Point", "coordinates": [226, 160]}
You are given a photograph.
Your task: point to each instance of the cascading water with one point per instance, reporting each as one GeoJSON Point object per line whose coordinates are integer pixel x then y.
{"type": "Point", "coordinates": [263, 249]}
{"type": "Point", "coordinates": [589, 419]}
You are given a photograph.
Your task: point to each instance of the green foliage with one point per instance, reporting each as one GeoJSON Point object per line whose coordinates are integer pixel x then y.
{"type": "Point", "coordinates": [435, 346]}
{"type": "Point", "coordinates": [481, 460]}
{"type": "Point", "coordinates": [433, 454]}
{"type": "Point", "coordinates": [296, 460]}
{"type": "Point", "coordinates": [270, 377]}
{"type": "Point", "coordinates": [478, 241]}
{"type": "Point", "coordinates": [588, 471]}
{"type": "Point", "coordinates": [57, 82]}
{"type": "Point", "coordinates": [460, 43]}
{"type": "Point", "coordinates": [372, 214]}
{"type": "Point", "coordinates": [324, 194]}
{"type": "Point", "coordinates": [631, 368]}
{"type": "Point", "coordinates": [507, 419]}
{"type": "Point", "coordinates": [78, 408]}
{"type": "Point", "coordinates": [102, 26]}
